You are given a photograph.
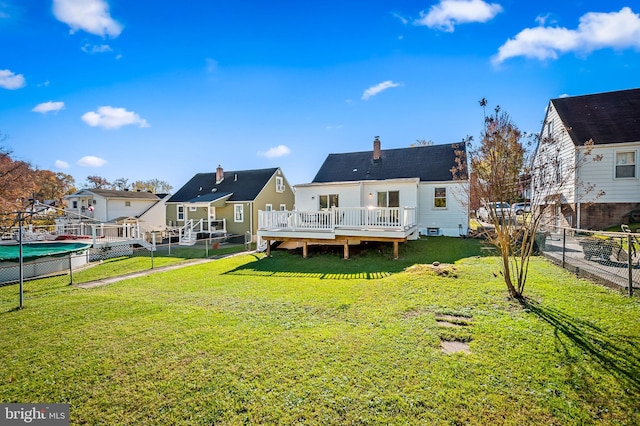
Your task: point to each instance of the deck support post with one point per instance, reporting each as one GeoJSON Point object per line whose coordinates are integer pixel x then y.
{"type": "Point", "coordinates": [268, 248]}
{"type": "Point", "coordinates": [346, 249]}
{"type": "Point", "coordinates": [395, 250]}
{"type": "Point", "coordinates": [304, 249]}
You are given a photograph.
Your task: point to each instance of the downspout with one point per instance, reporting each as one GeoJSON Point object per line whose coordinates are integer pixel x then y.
{"type": "Point", "coordinates": [251, 219]}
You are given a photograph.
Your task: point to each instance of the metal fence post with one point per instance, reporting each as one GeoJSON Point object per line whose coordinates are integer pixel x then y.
{"type": "Point", "coordinates": [630, 263]}
{"type": "Point", "coordinates": [564, 245]}
{"type": "Point", "coordinates": [70, 271]}
{"type": "Point", "coordinates": [206, 248]}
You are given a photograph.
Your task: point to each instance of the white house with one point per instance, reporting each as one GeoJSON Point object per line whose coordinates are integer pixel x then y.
{"type": "Point", "coordinates": [379, 195]}
{"type": "Point", "coordinates": [576, 131]}
{"type": "Point", "coordinates": [111, 206]}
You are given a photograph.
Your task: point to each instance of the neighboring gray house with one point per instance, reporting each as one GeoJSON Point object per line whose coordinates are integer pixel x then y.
{"type": "Point", "coordinates": [612, 121]}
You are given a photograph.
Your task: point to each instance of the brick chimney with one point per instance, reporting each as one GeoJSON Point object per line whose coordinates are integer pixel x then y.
{"type": "Point", "coordinates": [219, 174]}
{"type": "Point", "coordinates": [376, 148]}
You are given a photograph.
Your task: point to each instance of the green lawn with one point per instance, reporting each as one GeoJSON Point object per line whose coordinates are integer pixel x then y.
{"type": "Point", "coordinates": [286, 340]}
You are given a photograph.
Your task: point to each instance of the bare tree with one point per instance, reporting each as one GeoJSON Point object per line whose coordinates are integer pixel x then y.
{"type": "Point", "coordinates": [501, 168]}
{"type": "Point", "coordinates": [422, 142]}
{"type": "Point", "coordinates": [120, 184]}
{"type": "Point", "coordinates": [97, 182]}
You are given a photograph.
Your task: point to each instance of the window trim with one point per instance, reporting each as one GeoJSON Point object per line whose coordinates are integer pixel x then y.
{"type": "Point", "coordinates": [635, 164]}
{"type": "Point", "coordinates": [268, 207]}
{"type": "Point", "coordinates": [280, 184]}
{"type": "Point", "coordinates": [180, 213]}
{"type": "Point", "coordinates": [283, 207]}
{"type": "Point", "coordinates": [329, 197]}
{"type": "Point", "coordinates": [238, 213]}
{"type": "Point", "coordinates": [436, 197]}
{"type": "Point", "coordinates": [387, 198]}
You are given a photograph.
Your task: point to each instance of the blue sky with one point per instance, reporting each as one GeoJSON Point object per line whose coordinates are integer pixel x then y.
{"type": "Point", "coordinates": [155, 89]}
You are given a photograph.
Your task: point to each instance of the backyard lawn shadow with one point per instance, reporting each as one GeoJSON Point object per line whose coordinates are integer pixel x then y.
{"type": "Point", "coordinates": [618, 354]}
{"type": "Point", "coordinates": [367, 261]}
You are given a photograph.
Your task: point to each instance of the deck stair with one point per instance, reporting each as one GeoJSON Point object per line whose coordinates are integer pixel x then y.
{"type": "Point", "coordinates": [188, 234]}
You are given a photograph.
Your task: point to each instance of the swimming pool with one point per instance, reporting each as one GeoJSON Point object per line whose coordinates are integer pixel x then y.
{"type": "Point", "coordinates": [39, 258]}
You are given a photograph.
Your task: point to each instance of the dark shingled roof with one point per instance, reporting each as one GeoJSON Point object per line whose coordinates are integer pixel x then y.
{"type": "Point", "coordinates": [429, 163]}
{"type": "Point", "coordinates": [244, 184]}
{"type": "Point", "coordinates": [610, 117]}
{"type": "Point", "coordinates": [113, 193]}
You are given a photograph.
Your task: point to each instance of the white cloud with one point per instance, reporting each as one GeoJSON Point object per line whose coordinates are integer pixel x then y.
{"type": "Point", "coordinates": [617, 30]}
{"type": "Point", "coordinates": [59, 164]}
{"type": "Point", "coordinates": [401, 18]}
{"type": "Point", "coordinates": [91, 161]}
{"type": "Point", "coordinates": [372, 91]}
{"type": "Point", "coordinates": [10, 80]}
{"type": "Point", "coordinates": [46, 107]}
{"type": "Point", "coordinates": [212, 65]}
{"type": "Point", "coordinates": [448, 13]}
{"type": "Point", "coordinates": [278, 151]}
{"type": "Point", "coordinates": [94, 48]}
{"type": "Point", "coordinates": [91, 16]}
{"type": "Point", "coordinates": [113, 118]}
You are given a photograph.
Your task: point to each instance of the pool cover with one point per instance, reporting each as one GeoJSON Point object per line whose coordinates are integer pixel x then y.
{"type": "Point", "coordinates": [31, 251]}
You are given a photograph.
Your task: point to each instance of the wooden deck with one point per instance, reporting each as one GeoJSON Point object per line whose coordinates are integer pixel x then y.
{"type": "Point", "coordinates": [339, 226]}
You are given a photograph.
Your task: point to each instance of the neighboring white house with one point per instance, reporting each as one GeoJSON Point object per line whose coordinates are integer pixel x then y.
{"type": "Point", "coordinates": [379, 195]}
{"type": "Point", "coordinates": [112, 206]}
{"type": "Point", "coordinates": [596, 194]}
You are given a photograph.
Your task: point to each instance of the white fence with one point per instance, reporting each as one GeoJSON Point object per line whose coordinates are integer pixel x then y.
{"type": "Point", "coordinates": [342, 217]}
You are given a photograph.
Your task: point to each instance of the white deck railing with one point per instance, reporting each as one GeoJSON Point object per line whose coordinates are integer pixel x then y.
{"type": "Point", "coordinates": [104, 233]}
{"type": "Point", "coordinates": [391, 218]}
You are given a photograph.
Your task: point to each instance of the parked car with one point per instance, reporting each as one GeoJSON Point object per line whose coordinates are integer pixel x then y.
{"type": "Point", "coordinates": [502, 209]}
{"type": "Point", "coordinates": [521, 208]}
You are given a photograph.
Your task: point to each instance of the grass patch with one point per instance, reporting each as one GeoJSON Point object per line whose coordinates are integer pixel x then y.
{"type": "Point", "coordinates": [257, 340]}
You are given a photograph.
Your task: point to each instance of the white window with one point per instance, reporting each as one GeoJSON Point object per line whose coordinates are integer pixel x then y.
{"type": "Point", "coordinates": [268, 207]}
{"type": "Point", "coordinates": [74, 204]}
{"type": "Point", "coordinates": [283, 207]}
{"type": "Point", "coordinates": [180, 212]}
{"type": "Point", "coordinates": [625, 164]}
{"type": "Point", "coordinates": [389, 199]}
{"type": "Point", "coordinates": [193, 208]}
{"type": "Point", "coordinates": [279, 184]}
{"type": "Point", "coordinates": [327, 201]}
{"type": "Point", "coordinates": [238, 213]}
{"type": "Point", "coordinates": [558, 171]}
{"type": "Point", "coordinates": [440, 198]}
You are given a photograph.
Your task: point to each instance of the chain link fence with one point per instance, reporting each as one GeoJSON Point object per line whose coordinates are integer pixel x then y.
{"type": "Point", "coordinates": [74, 268]}
{"type": "Point", "coordinates": [610, 258]}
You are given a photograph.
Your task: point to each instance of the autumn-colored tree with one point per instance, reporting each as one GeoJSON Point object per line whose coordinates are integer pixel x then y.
{"type": "Point", "coordinates": [155, 186]}
{"type": "Point", "coordinates": [97, 182]}
{"type": "Point", "coordinates": [67, 182]}
{"type": "Point", "coordinates": [501, 167]}
{"type": "Point", "coordinates": [16, 188]}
